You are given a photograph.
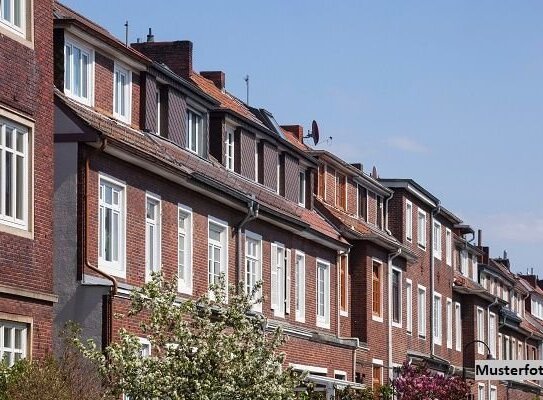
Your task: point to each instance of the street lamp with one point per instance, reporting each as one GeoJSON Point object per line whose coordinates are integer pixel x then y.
{"type": "Point", "coordinates": [489, 356]}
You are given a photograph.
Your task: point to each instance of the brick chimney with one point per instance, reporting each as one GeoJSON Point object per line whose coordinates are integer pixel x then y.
{"type": "Point", "coordinates": [217, 77]}
{"type": "Point", "coordinates": [175, 55]}
{"type": "Point", "coordinates": [358, 166]}
{"type": "Point", "coordinates": [296, 130]}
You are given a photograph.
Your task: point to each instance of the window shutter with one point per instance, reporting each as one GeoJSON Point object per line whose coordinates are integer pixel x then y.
{"type": "Point", "coordinates": [287, 281]}
{"type": "Point", "coordinates": [273, 280]}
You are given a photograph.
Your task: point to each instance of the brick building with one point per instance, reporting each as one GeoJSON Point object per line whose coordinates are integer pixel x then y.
{"type": "Point", "coordinates": [158, 167]}
{"type": "Point", "coordinates": [26, 190]}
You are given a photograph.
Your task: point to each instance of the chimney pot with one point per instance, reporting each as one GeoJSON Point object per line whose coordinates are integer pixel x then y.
{"type": "Point", "coordinates": [479, 237]}
{"type": "Point", "coordinates": [150, 36]}
{"type": "Point", "coordinates": [217, 77]}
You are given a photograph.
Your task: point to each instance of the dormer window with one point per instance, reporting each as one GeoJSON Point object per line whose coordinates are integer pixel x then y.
{"type": "Point", "coordinates": [78, 72]}
{"type": "Point", "coordinates": [229, 149]}
{"type": "Point", "coordinates": [301, 189]}
{"type": "Point", "coordinates": [195, 132]}
{"type": "Point", "coordinates": [122, 104]}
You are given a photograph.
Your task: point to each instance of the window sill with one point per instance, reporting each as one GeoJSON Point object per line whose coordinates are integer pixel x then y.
{"type": "Point", "coordinates": [323, 325]}
{"type": "Point", "coordinates": [397, 325]}
{"type": "Point", "coordinates": [377, 318]}
{"type": "Point", "coordinates": [12, 230]}
{"type": "Point", "coordinates": [111, 270]}
{"type": "Point", "coordinates": [344, 313]}
{"type": "Point", "coordinates": [81, 100]}
{"type": "Point", "coordinates": [421, 246]}
{"type": "Point", "coordinates": [423, 337]}
{"type": "Point", "coordinates": [184, 289]}
{"type": "Point", "coordinates": [16, 35]}
{"type": "Point", "coordinates": [299, 319]}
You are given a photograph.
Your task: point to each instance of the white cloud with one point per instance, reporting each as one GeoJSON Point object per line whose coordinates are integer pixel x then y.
{"type": "Point", "coordinates": [406, 144]}
{"type": "Point", "coordinates": [525, 228]}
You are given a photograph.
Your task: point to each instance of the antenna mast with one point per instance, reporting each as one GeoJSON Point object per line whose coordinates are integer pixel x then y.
{"type": "Point", "coordinates": [247, 84]}
{"type": "Point", "coordinates": [126, 33]}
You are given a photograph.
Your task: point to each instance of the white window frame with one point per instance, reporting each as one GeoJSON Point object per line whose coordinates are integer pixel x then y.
{"type": "Point", "coordinates": [185, 236]}
{"type": "Point", "coordinates": [17, 130]}
{"type": "Point", "coordinates": [280, 262]}
{"type": "Point", "coordinates": [378, 318]}
{"type": "Point", "coordinates": [437, 240]}
{"type": "Point", "coordinates": [409, 306]}
{"type": "Point", "coordinates": [126, 114]}
{"type": "Point", "coordinates": [408, 221]}
{"type": "Point", "coordinates": [89, 52]}
{"type": "Point", "coordinates": [499, 353]}
{"type": "Point", "coordinates": [195, 147]}
{"type": "Point", "coordinates": [300, 288]}
{"type": "Point", "coordinates": [222, 244]}
{"type": "Point", "coordinates": [359, 215]}
{"type": "Point", "coordinates": [481, 391]}
{"type": "Point", "coordinates": [255, 260]}
{"type": "Point", "coordinates": [256, 160]}
{"type": "Point", "coordinates": [438, 318]}
{"type": "Point", "coordinates": [421, 233]}
{"type": "Point", "coordinates": [323, 321]}
{"type": "Point", "coordinates": [344, 313]}
{"type": "Point", "coordinates": [229, 149]}
{"type": "Point", "coordinates": [449, 312]}
{"type": "Point", "coordinates": [11, 349]}
{"type": "Point", "coordinates": [492, 333]}
{"type": "Point", "coordinates": [158, 113]}
{"type": "Point", "coordinates": [301, 188]}
{"type": "Point", "coordinates": [448, 246]}
{"type": "Point", "coordinates": [493, 389]}
{"type": "Point", "coordinates": [480, 330]}
{"type": "Point", "coordinates": [400, 300]}
{"type": "Point", "coordinates": [513, 348]}
{"type": "Point", "coordinates": [343, 374]}
{"type": "Point", "coordinates": [116, 268]}
{"type": "Point", "coordinates": [464, 262]}
{"type": "Point", "coordinates": [9, 22]}
{"type": "Point", "coordinates": [154, 264]}
{"type": "Point", "coordinates": [421, 311]}
{"type": "Point", "coordinates": [458, 326]}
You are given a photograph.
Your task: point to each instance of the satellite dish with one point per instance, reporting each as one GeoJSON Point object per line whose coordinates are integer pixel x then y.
{"type": "Point", "coordinates": [314, 133]}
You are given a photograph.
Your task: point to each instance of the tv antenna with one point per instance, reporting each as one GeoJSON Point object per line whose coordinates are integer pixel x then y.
{"type": "Point", "coordinates": [247, 84]}
{"type": "Point", "coordinates": [313, 133]}
{"type": "Point", "coordinates": [126, 33]}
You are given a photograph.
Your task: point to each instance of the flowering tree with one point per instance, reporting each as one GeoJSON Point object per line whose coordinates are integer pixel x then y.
{"type": "Point", "coordinates": [417, 383]}
{"type": "Point", "coordinates": [202, 349]}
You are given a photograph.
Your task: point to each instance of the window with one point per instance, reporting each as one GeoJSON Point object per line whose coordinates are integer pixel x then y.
{"type": "Point", "coordinates": [421, 304]}
{"type": "Point", "coordinates": [380, 212]}
{"type": "Point", "coordinates": [481, 391]}
{"type": "Point", "coordinates": [474, 271]}
{"type": "Point", "coordinates": [258, 159]}
{"type": "Point", "coordinates": [464, 262]}
{"type": "Point", "coordinates": [458, 326]}
{"type": "Point", "coordinates": [111, 229]}
{"type": "Point", "coordinates": [184, 249]}
{"type": "Point", "coordinates": [480, 330]}
{"type": "Point", "coordinates": [253, 266]}
{"type": "Point", "coordinates": [280, 168]}
{"type": "Point", "coordinates": [300, 286]}
{"type": "Point", "coordinates": [217, 250]}
{"type": "Point", "coordinates": [493, 393]}
{"type": "Point", "coordinates": [322, 181]}
{"type": "Point", "coordinates": [341, 375]}
{"type": "Point", "coordinates": [229, 149]}
{"type": "Point", "coordinates": [437, 240]}
{"type": "Point", "coordinates": [362, 203]}
{"type": "Point", "coordinates": [448, 246]}
{"type": "Point", "coordinates": [377, 375]}
{"type": "Point", "coordinates": [499, 353]}
{"type": "Point", "coordinates": [377, 293]}
{"type": "Point", "coordinates": [492, 333]}
{"type": "Point", "coordinates": [408, 220]}
{"type": "Point", "coordinates": [438, 322]}
{"type": "Point", "coordinates": [78, 72]}
{"type": "Point", "coordinates": [122, 93]}
{"type": "Point", "coordinates": [421, 229]}
{"type": "Point", "coordinates": [13, 14]}
{"type": "Point", "coordinates": [409, 305]}
{"type": "Point", "coordinates": [195, 132]}
{"type": "Point", "coordinates": [506, 348]}
{"type": "Point", "coordinates": [152, 236]}
{"type": "Point", "coordinates": [343, 284]}
{"type": "Point", "coordinates": [340, 191]}
{"type": "Point", "coordinates": [160, 112]}
{"type": "Point", "coordinates": [396, 297]}
{"type": "Point", "coordinates": [145, 351]}
{"type": "Point", "coordinates": [13, 341]}
{"type": "Point", "coordinates": [280, 280]}
{"type": "Point", "coordinates": [520, 351]}
{"type": "Point", "coordinates": [513, 349]}
{"type": "Point", "coordinates": [323, 294]}
{"type": "Point", "coordinates": [449, 323]}
{"type": "Point", "coordinates": [301, 188]}
{"type": "Point", "coordinates": [14, 174]}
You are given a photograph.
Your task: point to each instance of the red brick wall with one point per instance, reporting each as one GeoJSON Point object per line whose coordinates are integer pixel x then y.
{"type": "Point", "coordinates": [26, 86]}
{"type": "Point", "coordinates": [103, 83]}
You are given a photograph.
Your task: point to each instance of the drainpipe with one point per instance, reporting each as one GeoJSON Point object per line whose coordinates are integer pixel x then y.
{"type": "Point", "coordinates": [386, 213]}
{"type": "Point", "coordinates": [488, 331]}
{"type": "Point", "coordinates": [391, 257]}
{"type": "Point", "coordinates": [432, 278]}
{"type": "Point", "coordinates": [252, 213]}
{"type": "Point", "coordinates": [85, 253]}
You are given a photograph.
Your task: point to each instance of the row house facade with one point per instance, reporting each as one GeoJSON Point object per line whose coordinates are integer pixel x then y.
{"type": "Point", "coordinates": [26, 190]}
{"type": "Point", "coordinates": [159, 168]}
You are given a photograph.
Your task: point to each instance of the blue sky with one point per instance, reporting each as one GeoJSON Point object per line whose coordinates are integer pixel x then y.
{"type": "Point", "coordinates": [447, 93]}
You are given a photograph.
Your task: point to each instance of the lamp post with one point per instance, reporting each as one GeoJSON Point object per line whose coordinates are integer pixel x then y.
{"type": "Point", "coordinates": [489, 356]}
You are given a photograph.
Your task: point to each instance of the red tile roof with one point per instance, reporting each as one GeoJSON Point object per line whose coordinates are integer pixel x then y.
{"type": "Point", "coordinates": [62, 12]}
{"type": "Point", "coordinates": [187, 162]}
{"type": "Point", "coordinates": [293, 139]}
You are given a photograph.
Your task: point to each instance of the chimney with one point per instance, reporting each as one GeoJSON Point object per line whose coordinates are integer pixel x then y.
{"type": "Point", "coordinates": [479, 237]}
{"type": "Point", "coordinates": [150, 36]}
{"type": "Point", "coordinates": [296, 130]}
{"type": "Point", "coordinates": [486, 254]}
{"type": "Point", "coordinates": [358, 166]}
{"type": "Point", "coordinates": [177, 55]}
{"type": "Point", "coordinates": [217, 77]}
